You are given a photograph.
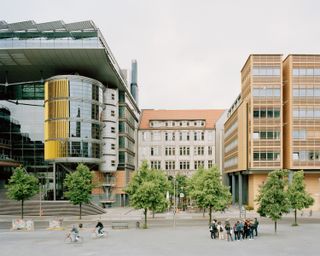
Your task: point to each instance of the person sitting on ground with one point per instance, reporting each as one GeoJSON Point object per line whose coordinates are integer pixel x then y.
{"type": "Point", "coordinates": [99, 226]}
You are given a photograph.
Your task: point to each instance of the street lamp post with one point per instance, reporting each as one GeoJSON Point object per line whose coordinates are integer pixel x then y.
{"type": "Point", "coordinates": [174, 203]}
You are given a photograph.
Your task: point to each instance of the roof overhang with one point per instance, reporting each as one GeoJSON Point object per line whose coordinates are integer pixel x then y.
{"type": "Point", "coordinates": [27, 64]}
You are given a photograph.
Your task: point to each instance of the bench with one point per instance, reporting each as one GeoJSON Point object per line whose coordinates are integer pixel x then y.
{"type": "Point", "coordinates": [120, 225]}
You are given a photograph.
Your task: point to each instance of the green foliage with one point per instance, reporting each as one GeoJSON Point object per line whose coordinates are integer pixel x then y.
{"type": "Point", "coordinates": [273, 199]}
{"type": "Point", "coordinates": [298, 196]}
{"type": "Point", "coordinates": [22, 186]}
{"type": "Point", "coordinates": [147, 190]}
{"type": "Point", "coordinates": [79, 185]}
{"type": "Point", "coordinates": [208, 191]}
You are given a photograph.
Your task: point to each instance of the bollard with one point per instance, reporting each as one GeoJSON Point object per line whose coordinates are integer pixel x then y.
{"type": "Point", "coordinates": [137, 224]}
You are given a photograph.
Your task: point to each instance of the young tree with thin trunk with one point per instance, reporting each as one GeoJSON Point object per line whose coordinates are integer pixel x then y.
{"type": "Point", "coordinates": [273, 198]}
{"type": "Point", "coordinates": [209, 192]}
{"type": "Point", "coordinates": [79, 186]}
{"type": "Point", "coordinates": [298, 196]}
{"type": "Point", "coordinates": [147, 190]}
{"type": "Point", "coordinates": [22, 186]}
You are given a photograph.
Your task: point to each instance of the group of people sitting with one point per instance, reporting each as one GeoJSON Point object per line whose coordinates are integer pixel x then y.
{"type": "Point", "coordinates": [242, 229]}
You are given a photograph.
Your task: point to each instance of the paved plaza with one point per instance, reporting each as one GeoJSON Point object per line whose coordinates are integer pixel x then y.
{"type": "Point", "coordinates": [193, 240]}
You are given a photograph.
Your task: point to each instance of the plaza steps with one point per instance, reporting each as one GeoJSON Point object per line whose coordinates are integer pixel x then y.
{"type": "Point", "coordinates": [49, 208]}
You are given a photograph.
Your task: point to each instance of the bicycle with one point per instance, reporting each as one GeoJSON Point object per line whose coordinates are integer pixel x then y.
{"type": "Point", "coordinates": [96, 234]}
{"type": "Point", "coordinates": [73, 238]}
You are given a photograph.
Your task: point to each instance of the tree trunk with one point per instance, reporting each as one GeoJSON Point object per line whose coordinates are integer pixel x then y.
{"type": "Point", "coordinates": [145, 217]}
{"type": "Point", "coordinates": [295, 217]}
{"type": "Point", "coordinates": [153, 214]}
{"type": "Point", "coordinates": [275, 227]}
{"type": "Point", "coordinates": [22, 209]}
{"type": "Point", "coordinates": [80, 210]}
{"type": "Point", "coordinates": [203, 212]}
{"type": "Point", "coordinates": [210, 214]}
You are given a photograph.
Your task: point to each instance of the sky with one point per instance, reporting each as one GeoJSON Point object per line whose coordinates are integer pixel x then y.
{"type": "Point", "coordinates": [189, 52]}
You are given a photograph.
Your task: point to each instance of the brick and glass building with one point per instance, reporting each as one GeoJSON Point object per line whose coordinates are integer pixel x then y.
{"type": "Point", "coordinates": [273, 124]}
{"type": "Point", "coordinates": [65, 100]}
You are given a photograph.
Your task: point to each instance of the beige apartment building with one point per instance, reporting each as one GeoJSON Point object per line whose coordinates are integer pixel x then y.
{"type": "Point", "coordinates": [273, 124]}
{"type": "Point", "coordinates": [180, 141]}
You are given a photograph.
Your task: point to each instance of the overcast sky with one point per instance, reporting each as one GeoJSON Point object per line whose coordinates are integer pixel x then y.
{"type": "Point", "coordinates": [189, 52]}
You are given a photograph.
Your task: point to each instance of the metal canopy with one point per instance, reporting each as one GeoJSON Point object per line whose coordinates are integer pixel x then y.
{"type": "Point", "coordinates": [19, 65]}
{"type": "Point", "coordinates": [47, 26]}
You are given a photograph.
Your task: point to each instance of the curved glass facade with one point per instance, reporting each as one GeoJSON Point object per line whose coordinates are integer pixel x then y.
{"type": "Point", "coordinates": [73, 106]}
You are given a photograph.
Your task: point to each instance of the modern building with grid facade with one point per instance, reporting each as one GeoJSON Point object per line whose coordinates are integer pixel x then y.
{"type": "Point", "coordinates": [178, 141]}
{"type": "Point", "coordinates": [265, 131]}
{"type": "Point", "coordinates": [65, 100]}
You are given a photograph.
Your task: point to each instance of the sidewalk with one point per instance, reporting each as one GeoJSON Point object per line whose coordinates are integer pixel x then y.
{"type": "Point", "coordinates": [130, 214]}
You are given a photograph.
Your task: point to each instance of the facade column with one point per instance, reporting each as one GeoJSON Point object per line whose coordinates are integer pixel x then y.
{"type": "Point", "coordinates": [240, 189]}
{"type": "Point", "coordinates": [54, 181]}
{"type": "Point", "coordinates": [233, 188]}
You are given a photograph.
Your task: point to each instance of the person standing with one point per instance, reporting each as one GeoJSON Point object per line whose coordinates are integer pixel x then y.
{"type": "Point", "coordinates": [228, 229]}
{"type": "Point", "coordinates": [255, 226]}
{"type": "Point", "coordinates": [213, 229]}
{"type": "Point", "coordinates": [220, 230]}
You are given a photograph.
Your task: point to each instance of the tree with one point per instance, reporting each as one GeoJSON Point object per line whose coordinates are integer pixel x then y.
{"type": "Point", "coordinates": [147, 190]}
{"type": "Point", "coordinates": [79, 186]}
{"type": "Point", "coordinates": [209, 192]}
{"type": "Point", "coordinates": [22, 186]}
{"type": "Point", "coordinates": [272, 198]}
{"type": "Point", "coordinates": [298, 196]}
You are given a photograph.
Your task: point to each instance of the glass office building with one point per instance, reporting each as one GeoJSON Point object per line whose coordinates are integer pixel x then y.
{"type": "Point", "coordinates": [59, 105]}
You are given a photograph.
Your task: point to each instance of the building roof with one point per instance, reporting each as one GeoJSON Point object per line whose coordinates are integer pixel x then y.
{"type": "Point", "coordinates": [31, 51]}
{"type": "Point", "coordinates": [209, 115]}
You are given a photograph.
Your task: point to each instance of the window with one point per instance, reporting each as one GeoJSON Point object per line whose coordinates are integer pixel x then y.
{"type": "Point", "coordinates": [170, 151]}
{"type": "Point", "coordinates": [202, 135]}
{"type": "Point", "coordinates": [113, 163]}
{"type": "Point", "coordinates": [184, 151]}
{"type": "Point", "coordinates": [266, 156]}
{"type": "Point", "coordinates": [195, 136]}
{"type": "Point", "coordinates": [209, 150]}
{"type": "Point", "coordinates": [113, 146]}
{"type": "Point", "coordinates": [151, 151]}
{"type": "Point", "coordinates": [166, 123]}
{"type": "Point", "coordinates": [198, 164]}
{"type": "Point", "coordinates": [155, 165]}
{"type": "Point", "coordinates": [170, 165]}
{"type": "Point", "coordinates": [180, 136]}
{"type": "Point", "coordinates": [173, 136]}
{"type": "Point", "coordinates": [173, 123]}
{"type": "Point", "coordinates": [266, 71]}
{"type": "Point", "coordinates": [202, 123]}
{"type": "Point", "coordinates": [180, 123]}
{"type": "Point", "coordinates": [209, 163]}
{"type": "Point", "coordinates": [113, 130]}
{"type": "Point", "coordinates": [112, 96]}
{"type": "Point", "coordinates": [113, 113]}
{"type": "Point", "coordinates": [184, 165]}
{"type": "Point", "coordinates": [166, 136]}
{"type": "Point", "coordinates": [151, 124]}
{"type": "Point", "coordinates": [195, 123]}
{"type": "Point", "coordinates": [199, 151]}
{"type": "Point", "coordinates": [188, 136]}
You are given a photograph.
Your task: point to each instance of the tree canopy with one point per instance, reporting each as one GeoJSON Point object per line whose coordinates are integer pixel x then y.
{"type": "Point", "coordinates": [208, 191]}
{"type": "Point", "coordinates": [147, 190]}
{"type": "Point", "coordinates": [79, 186]}
{"type": "Point", "coordinates": [297, 194]}
{"type": "Point", "coordinates": [22, 186]}
{"type": "Point", "coordinates": [272, 198]}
